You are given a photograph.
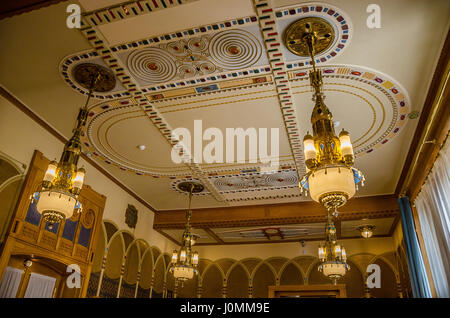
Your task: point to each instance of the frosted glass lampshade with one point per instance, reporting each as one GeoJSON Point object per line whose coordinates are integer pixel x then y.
{"type": "Point", "coordinates": [334, 270]}
{"type": "Point", "coordinates": [309, 149]}
{"type": "Point", "coordinates": [180, 272]}
{"type": "Point", "coordinates": [336, 179]}
{"type": "Point", "coordinates": [346, 144]}
{"type": "Point", "coordinates": [337, 250]}
{"type": "Point", "coordinates": [321, 252]}
{"type": "Point", "coordinates": [79, 179]}
{"type": "Point", "coordinates": [344, 254]}
{"type": "Point", "coordinates": [195, 258]}
{"type": "Point", "coordinates": [51, 171]}
{"type": "Point", "coordinates": [174, 256]}
{"type": "Point", "coordinates": [55, 201]}
{"type": "Point", "coordinates": [182, 255]}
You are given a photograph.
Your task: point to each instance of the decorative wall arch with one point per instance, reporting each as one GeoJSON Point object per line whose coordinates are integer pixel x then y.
{"type": "Point", "coordinates": [212, 281]}
{"type": "Point", "coordinates": [237, 263]}
{"type": "Point", "coordinates": [110, 228]}
{"type": "Point", "coordinates": [277, 263]}
{"type": "Point", "coordinates": [285, 266]}
{"type": "Point", "coordinates": [259, 265]}
{"type": "Point", "coordinates": [238, 281]}
{"type": "Point", "coordinates": [209, 266]}
{"type": "Point", "coordinates": [146, 273]}
{"type": "Point", "coordinates": [392, 267]}
{"type": "Point", "coordinates": [362, 260]}
{"type": "Point", "coordinates": [312, 266]}
{"type": "Point", "coordinates": [225, 264]}
{"type": "Point", "coordinates": [159, 277]}
{"type": "Point", "coordinates": [389, 280]}
{"type": "Point", "coordinates": [259, 284]}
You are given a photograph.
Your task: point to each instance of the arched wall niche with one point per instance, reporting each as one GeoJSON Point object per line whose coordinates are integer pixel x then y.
{"type": "Point", "coordinates": [212, 281]}
{"type": "Point", "coordinates": [159, 275]}
{"type": "Point", "coordinates": [238, 279]}
{"type": "Point", "coordinates": [263, 276]}
{"type": "Point", "coordinates": [291, 274]}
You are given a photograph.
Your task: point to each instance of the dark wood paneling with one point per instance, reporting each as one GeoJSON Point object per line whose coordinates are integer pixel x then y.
{"type": "Point", "coordinates": [277, 214]}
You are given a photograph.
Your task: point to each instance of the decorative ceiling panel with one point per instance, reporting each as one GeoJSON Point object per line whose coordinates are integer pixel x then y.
{"type": "Point", "coordinates": [217, 70]}
{"type": "Point", "coordinates": [275, 233]}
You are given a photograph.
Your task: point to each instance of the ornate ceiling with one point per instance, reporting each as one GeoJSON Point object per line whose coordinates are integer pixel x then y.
{"type": "Point", "coordinates": [226, 63]}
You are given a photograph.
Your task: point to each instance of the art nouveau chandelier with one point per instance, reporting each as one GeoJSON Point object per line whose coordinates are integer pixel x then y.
{"type": "Point", "coordinates": [331, 178]}
{"type": "Point", "coordinates": [184, 262]}
{"type": "Point", "coordinates": [57, 199]}
{"type": "Point", "coordinates": [332, 255]}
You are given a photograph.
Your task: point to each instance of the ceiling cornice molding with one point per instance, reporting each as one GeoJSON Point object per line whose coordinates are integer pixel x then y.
{"type": "Point", "coordinates": [431, 131]}
{"type": "Point", "coordinates": [14, 101]}
{"type": "Point", "coordinates": [381, 206]}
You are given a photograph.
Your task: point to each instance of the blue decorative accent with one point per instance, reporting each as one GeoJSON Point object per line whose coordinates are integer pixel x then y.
{"type": "Point", "coordinates": [78, 205]}
{"type": "Point", "coordinates": [305, 183]}
{"type": "Point", "coordinates": [356, 175]}
{"type": "Point", "coordinates": [209, 88]}
{"type": "Point", "coordinates": [84, 237]}
{"type": "Point", "coordinates": [419, 282]}
{"type": "Point", "coordinates": [69, 229]}
{"type": "Point", "coordinates": [54, 229]}
{"type": "Point", "coordinates": [33, 216]}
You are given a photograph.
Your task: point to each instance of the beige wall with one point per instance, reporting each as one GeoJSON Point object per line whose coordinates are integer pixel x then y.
{"type": "Point", "coordinates": [20, 136]}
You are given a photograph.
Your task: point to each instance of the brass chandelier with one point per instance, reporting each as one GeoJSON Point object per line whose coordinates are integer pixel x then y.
{"type": "Point", "coordinates": [332, 254]}
{"type": "Point", "coordinates": [57, 199]}
{"type": "Point", "coordinates": [331, 178]}
{"type": "Point", "coordinates": [185, 261]}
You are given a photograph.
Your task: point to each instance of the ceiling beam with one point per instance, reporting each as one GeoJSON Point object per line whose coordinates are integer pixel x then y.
{"type": "Point", "coordinates": [431, 130]}
{"type": "Point", "coordinates": [381, 206]}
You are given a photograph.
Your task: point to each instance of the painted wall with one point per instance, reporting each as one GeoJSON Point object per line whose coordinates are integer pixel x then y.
{"type": "Point", "coordinates": [20, 136]}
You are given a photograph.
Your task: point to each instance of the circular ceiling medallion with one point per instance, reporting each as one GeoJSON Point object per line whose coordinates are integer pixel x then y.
{"type": "Point", "coordinates": [334, 28]}
{"type": "Point", "coordinates": [295, 33]}
{"type": "Point", "coordinates": [234, 49]}
{"type": "Point", "coordinates": [90, 75]}
{"type": "Point", "coordinates": [190, 186]}
{"type": "Point", "coordinates": [184, 185]}
{"type": "Point", "coordinates": [153, 65]}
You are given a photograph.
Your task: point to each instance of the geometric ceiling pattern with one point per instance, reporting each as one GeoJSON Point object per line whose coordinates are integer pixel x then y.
{"type": "Point", "coordinates": [212, 71]}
